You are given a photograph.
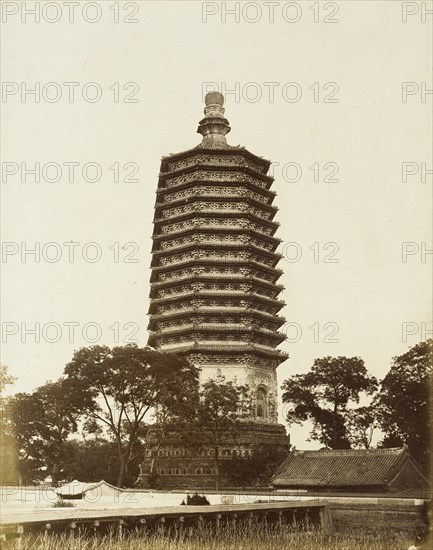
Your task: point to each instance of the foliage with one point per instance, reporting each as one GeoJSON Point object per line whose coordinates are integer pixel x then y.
{"type": "Point", "coordinates": [221, 410]}
{"type": "Point", "coordinates": [63, 504]}
{"type": "Point", "coordinates": [42, 421]}
{"type": "Point", "coordinates": [124, 385]}
{"type": "Point", "coordinates": [96, 459]}
{"type": "Point", "coordinates": [322, 396]}
{"type": "Point", "coordinates": [403, 401]}
{"type": "Point", "coordinates": [256, 469]}
{"type": "Point", "coordinates": [360, 424]}
{"type": "Point", "coordinates": [8, 450]}
{"type": "Point", "coordinates": [195, 500]}
{"type": "Point", "coordinates": [6, 379]}
{"type": "Point", "coordinates": [171, 419]}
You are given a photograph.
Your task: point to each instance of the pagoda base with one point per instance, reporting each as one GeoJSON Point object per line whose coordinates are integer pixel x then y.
{"type": "Point", "coordinates": [181, 467]}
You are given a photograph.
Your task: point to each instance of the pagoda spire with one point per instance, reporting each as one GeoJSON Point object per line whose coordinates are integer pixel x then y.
{"type": "Point", "coordinates": [214, 127]}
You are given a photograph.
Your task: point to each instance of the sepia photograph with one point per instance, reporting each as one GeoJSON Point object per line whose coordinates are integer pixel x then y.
{"type": "Point", "coordinates": [216, 274]}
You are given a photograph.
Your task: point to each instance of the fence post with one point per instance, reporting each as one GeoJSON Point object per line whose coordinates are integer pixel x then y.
{"type": "Point", "coordinates": [120, 528]}
{"type": "Point", "coordinates": [18, 540]}
{"type": "Point", "coordinates": [325, 518]}
{"type": "Point", "coordinates": [161, 527]}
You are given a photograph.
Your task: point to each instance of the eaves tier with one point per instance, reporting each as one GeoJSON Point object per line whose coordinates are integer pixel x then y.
{"type": "Point", "coordinates": [214, 261]}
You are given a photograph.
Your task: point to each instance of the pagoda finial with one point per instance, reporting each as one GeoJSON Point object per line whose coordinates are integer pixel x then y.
{"type": "Point", "coordinates": [214, 127]}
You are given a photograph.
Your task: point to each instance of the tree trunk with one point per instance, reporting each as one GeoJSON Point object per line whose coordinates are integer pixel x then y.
{"type": "Point", "coordinates": [122, 471]}
{"type": "Point", "coordinates": [152, 462]}
{"type": "Point", "coordinates": [334, 428]}
{"type": "Point", "coordinates": [154, 455]}
{"type": "Point", "coordinates": [124, 460]}
{"type": "Point", "coordinates": [217, 469]}
{"type": "Point", "coordinates": [55, 472]}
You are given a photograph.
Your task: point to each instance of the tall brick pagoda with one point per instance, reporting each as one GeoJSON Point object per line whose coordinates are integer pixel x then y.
{"type": "Point", "coordinates": [214, 292]}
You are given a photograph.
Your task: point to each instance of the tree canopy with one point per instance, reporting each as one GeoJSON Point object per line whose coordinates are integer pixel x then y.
{"type": "Point", "coordinates": [42, 422]}
{"type": "Point", "coordinates": [323, 394]}
{"type": "Point", "coordinates": [403, 401]}
{"type": "Point", "coordinates": [221, 410]}
{"type": "Point", "coordinates": [121, 387]}
{"type": "Point", "coordinates": [95, 459]}
{"type": "Point", "coordinates": [6, 379]}
{"type": "Point", "coordinates": [257, 468]}
{"type": "Point", "coordinates": [8, 450]}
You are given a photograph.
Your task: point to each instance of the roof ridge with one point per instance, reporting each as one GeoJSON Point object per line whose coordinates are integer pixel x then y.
{"type": "Point", "coordinates": [348, 452]}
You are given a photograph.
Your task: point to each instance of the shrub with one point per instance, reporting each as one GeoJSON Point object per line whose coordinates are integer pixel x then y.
{"type": "Point", "coordinates": [63, 504]}
{"type": "Point", "coordinates": [195, 500]}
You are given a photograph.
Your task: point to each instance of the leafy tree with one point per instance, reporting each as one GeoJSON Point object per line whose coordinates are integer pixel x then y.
{"type": "Point", "coordinates": [360, 424]}
{"type": "Point", "coordinates": [95, 459]}
{"type": "Point", "coordinates": [171, 419]}
{"type": "Point", "coordinates": [403, 401]}
{"type": "Point", "coordinates": [256, 469]}
{"type": "Point", "coordinates": [6, 379]}
{"type": "Point", "coordinates": [29, 447]}
{"type": "Point", "coordinates": [122, 386]}
{"type": "Point", "coordinates": [8, 451]}
{"type": "Point", "coordinates": [322, 396]}
{"type": "Point", "coordinates": [43, 420]}
{"type": "Point", "coordinates": [221, 410]}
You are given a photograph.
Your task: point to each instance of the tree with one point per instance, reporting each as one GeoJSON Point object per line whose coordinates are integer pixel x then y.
{"type": "Point", "coordinates": [222, 407]}
{"type": "Point", "coordinates": [170, 422]}
{"type": "Point", "coordinates": [95, 459]}
{"type": "Point", "coordinates": [6, 379]}
{"type": "Point", "coordinates": [360, 424]}
{"type": "Point", "coordinates": [8, 451]}
{"type": "Point", "coordinates": [43, 420]}
{"type": "Point", "coordinates": [322, 396]}
{"type": "Point", "coordinates": [403, 401]}
{"type": "Point", "coordinates": [171, 418]}
{"type": "Point", "coordinates": [123, 386]}
{"type": "Point", "coordinates": [256, 469]}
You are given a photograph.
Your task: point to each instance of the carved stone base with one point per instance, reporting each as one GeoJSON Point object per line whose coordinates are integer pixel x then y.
{"type": "Point", "coordinates": [178, 467]}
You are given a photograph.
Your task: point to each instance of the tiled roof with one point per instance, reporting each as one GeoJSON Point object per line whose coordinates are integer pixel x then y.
{"type": "Point", "coordinates": [341, 468]}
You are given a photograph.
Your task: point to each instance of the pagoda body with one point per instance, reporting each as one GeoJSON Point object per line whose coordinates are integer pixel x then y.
{"type": "Point", "coordinates": [214, 281]}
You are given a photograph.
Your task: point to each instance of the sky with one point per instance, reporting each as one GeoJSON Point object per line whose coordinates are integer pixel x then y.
{"type": "Point", "coordinates": [335, 94]}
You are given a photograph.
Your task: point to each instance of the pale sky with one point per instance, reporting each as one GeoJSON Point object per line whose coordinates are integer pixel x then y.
{"type": "Point", "coordinates": [171, 55]}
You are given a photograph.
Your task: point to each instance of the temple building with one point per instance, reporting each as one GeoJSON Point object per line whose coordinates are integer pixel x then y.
{"type": "Point", "coordinates": [353, 471]}
{"type": "Point", "coordinates": [214, 281]}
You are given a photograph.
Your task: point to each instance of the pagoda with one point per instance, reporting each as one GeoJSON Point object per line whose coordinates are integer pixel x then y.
{"type": "Point", "coordinates": [214, 282]}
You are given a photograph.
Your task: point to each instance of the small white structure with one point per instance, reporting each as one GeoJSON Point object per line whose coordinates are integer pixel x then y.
{"type": "Point", "coordinates": [89, 491]}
